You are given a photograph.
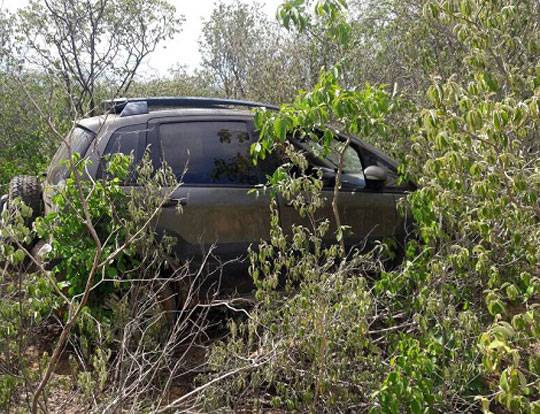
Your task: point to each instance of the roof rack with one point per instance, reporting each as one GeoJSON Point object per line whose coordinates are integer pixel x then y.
{"type": "Point", "coordinates": [139, 106]}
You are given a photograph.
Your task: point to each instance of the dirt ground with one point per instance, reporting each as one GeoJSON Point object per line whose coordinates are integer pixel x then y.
{"type": "Point", "coordinates": [63, 394]}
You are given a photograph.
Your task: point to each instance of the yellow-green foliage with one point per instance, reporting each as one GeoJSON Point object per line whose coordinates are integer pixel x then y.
{"type": "Point", "coordinates": [458, 325]}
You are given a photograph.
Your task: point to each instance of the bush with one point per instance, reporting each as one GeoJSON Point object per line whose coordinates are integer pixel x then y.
{"type": "Point", "coordinates": [305, 345]}
{"type": "Point", "coordinates": [112, 290]}
{"type": "Point", "coordinates": [457, 327]}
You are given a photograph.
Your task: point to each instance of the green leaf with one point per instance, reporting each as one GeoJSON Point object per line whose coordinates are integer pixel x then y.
{"type": "Point", "coordinates": [503, 381]}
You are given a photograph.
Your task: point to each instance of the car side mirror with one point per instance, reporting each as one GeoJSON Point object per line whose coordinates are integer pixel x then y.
{"type": "Point", "coordinates": [375, 177]}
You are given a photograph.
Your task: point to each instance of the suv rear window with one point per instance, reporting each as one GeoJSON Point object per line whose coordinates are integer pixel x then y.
{"type": "Point", "coordinates": [129, 140]}
{"type": "Point", "coordinates": [77, 141]}
{"type": "Point", "coordinates": [212, 152]}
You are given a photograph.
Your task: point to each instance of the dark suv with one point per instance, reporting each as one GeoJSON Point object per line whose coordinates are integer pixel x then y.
{"type": "Point", "coordinates": [215, 141]}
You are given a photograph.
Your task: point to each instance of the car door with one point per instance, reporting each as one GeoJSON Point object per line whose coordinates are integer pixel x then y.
{"type": "Point", "coordinates": [370, 214]}
{"type": "Point", "coordinates": [212, 159]}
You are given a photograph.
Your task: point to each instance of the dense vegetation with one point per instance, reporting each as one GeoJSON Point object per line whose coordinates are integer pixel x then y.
{"type": "Point", "coordinates": [450, 88]}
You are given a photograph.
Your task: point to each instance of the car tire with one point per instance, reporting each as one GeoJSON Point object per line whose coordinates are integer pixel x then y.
{"type": "Point", "coordinates": [28, 188]}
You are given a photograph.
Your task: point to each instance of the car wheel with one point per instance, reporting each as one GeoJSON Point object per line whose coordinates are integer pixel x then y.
{"type": "Point", "coordinates": [28, 188]}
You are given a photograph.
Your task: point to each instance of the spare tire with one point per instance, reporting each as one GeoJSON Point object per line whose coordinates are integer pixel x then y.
{"type": "Point", "coordinates": [28, 188]}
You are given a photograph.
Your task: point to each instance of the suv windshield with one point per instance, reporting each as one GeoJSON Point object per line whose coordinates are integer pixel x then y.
{"type": "Point", "coordinates": [78, 141]}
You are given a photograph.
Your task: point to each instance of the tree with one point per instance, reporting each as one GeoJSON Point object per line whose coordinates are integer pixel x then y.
{"type": "Point", "coordinates": [26, 147]}
{"type": "Point", "coordinates": [179, 82]}
{"type": "Point", "coordinates": [5, 32]}
{"type": "Point", "coordinates": [246, 55]}
{"type": "Point", "coordinates": [92, 43]}
{"type": "Point", "coordinates": [231, 37]}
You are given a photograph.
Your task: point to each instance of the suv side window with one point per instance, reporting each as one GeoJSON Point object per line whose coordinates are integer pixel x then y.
{"type": "Point", "coordinates": [78, 141]}
{"type": "Point", "coordinates": [212, 152]}
{"type": "Point", "coordinates": [351, 158]}
{"type": "Point", "coordinates": [129, 140]}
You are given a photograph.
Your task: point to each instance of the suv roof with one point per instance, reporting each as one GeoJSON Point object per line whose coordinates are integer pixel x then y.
{"type": "Point", "coordinates": [137, 106]}
{"type": "Point", "coordinates": [124, 111]}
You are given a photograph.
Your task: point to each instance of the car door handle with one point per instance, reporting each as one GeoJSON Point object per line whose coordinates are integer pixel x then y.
{"type": "Point", "coordinates": [173, 202]}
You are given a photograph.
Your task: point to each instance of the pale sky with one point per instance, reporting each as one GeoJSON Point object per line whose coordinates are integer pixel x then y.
{"type": "Point", "coordinates": [168, 55]}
